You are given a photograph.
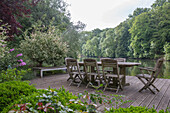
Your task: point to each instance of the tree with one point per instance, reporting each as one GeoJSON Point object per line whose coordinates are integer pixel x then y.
{"type": "Point", "coordinates": [44, 47]}
{"type": "Point", "coordinates": [71, 37]}
{"type": "Point", "coordinates": [141, 33]}
{"type": "Point", "coordinates": [50, 12]}
{"type": "Point", "coordinates": [108, 44]}
{"type": "Point", "coordinates": [138, 11]}
{"type": "Point", "coordinates": [158, 3]}
{"type": "Point", "coordinates": [122, 39]}
{"type": "Point", "coordinates": [10, 10]}
{"type": "Point", "coordinates": [160, 24]}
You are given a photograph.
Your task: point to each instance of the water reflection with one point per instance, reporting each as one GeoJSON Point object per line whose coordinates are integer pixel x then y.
{"type": "Point", "coordinates": [132, 71]}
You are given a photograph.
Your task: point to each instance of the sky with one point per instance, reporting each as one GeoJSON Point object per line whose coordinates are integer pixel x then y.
{"type": "Point", "coordinates": [103, 13]}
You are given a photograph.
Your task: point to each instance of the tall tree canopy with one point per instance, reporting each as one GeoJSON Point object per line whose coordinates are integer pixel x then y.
{"type": "Point", "coordinates": [10, 10]}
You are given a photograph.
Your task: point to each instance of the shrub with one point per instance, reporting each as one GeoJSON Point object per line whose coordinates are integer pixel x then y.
{"type": "Point", "coordinates": [12, 74]}
{"type": "Point", "coordinates": [44, 46]}
{"type": "Point", "coordinates": [53, 100]}
{"type": "Point", "coordinates": [133, 109]}
{"type": "Point", "coordinates": [50, 100]}
{"type": "Point", "coordinates": [12, 90]}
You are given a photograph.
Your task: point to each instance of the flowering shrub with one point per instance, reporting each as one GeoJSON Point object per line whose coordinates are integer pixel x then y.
{"type": "Point", "coordinates": [2, 38]}
{"type": "Point", "coordinates": [11, 59]}
{"type": "Point", "coordinates": [44, 47]}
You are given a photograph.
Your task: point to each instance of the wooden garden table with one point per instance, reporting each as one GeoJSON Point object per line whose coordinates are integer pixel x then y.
{"type": "Point", "coordinates": [122, 66]}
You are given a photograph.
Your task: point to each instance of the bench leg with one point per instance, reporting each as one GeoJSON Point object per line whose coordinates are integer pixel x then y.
{"type": "Point", "coordinates": [41, 74]}
{"type": "Point", "coordinates": [35, 74]}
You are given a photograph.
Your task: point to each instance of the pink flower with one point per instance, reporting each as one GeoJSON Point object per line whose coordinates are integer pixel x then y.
{"type": "Point", "coordinates": [20, 60]}
{"type": "Point", "coordinates": [11, 50]}
{"type": "Point", "coordinates": [22, 64]}
{"type": "Point", "coordinates": [19, 55]}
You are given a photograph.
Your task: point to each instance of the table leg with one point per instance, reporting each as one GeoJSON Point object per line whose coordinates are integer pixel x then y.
{"type": "Point", "coordinates": [123, 72]}
{"type": "Point", "coordinates": [41, 74]}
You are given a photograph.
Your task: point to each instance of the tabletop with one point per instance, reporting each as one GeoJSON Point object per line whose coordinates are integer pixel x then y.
{"type": "Point", "coordinates": [127, 64]}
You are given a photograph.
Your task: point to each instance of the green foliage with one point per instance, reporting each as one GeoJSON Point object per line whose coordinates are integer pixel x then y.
{"type": "Point", "coordinates": [44, 46]}
{"type": "Point", "coordinates": [133, 109]}
{"type": "Point", "coordinates": [12, 90]}
{"type": "Point", "coordinates": [3, 36]}
{"type": "Point", "coordinates": [3, 43]}
{"type": "Point", "coordinates": [54, 12]}
{"type": "Point", "coordinates": [167, 51]}
{"type": "Point", "coordinates": [45, 11]}
{"type": "Point", "coordinates": [122, 37]}
{"type": "Point", "coordinates": [94, 100]}
{"type": "Point", "coordinates": [53, 100]}
{"type": "Point", "coordinates": [71, 37]}
{"type": "Point", "coordinates": [50, 100]}
{"type": "Point", "coordinates": [12, 74]}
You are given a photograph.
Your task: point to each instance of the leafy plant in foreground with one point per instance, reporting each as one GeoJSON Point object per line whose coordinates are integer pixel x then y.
{"type": "Point", "coordinates": [12, 90]}
{"type": "Point", "coordinates": [12, 74]}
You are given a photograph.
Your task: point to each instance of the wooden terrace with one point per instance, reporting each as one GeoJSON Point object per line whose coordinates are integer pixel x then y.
{"type": "Point", "coordinates": [160, 100]}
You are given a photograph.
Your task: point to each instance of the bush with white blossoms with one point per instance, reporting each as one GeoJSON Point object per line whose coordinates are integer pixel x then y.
{"type": "Point", "coordinates": [44, 46]}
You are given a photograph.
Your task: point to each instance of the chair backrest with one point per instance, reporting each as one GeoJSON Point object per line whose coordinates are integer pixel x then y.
{"type": "Point", "coordinates": [90, 64]}
{"type": "Point", "coordinates": [72, 65]}
{"type": "Point", "coordinates": [120, 59]}
{"type": "Point", "coordinates": [110, 63]}
{"type": "Point", "coordinates": [158, 66]}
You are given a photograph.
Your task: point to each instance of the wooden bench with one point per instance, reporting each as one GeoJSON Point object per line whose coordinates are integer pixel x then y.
{"type": "Point", "coordinates": [41, 69]}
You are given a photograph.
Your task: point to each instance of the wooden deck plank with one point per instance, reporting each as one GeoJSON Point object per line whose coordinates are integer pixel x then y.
{"type": "Point", "coordinates": [165, 100]}
{"type": "Point", "coordinates": [159, 96]}
{"type": "Point", "coordinates": [168, 106]}
{"type": "Point", "coordinates": [137, 95]}
{"type": "Point", "coordinates": [143, 96]}
{"type": "Point", "coordinates": [151, 96]}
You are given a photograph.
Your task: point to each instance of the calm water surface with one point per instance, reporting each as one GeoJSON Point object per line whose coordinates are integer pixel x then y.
{"type": "Point", "coordinates": [132, 71]}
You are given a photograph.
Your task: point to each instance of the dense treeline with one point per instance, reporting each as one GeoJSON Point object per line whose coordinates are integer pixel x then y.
{"type": "Point", "coordinates": [145, 34]}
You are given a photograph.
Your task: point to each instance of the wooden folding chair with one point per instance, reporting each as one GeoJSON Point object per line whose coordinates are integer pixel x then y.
{"type": "Point", "coordinates": [152, 73]}
{"type": "Point", "coordinates": [92, 72]}
{"type": "Point", "coordinates": [112, 80]}
{"type": "Point", "coordinates": [75, 75]}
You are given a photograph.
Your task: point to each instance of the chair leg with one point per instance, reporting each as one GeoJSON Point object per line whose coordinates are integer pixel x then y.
{"type": "Point", "coordinates": [146, 85]}
{"type": "Point", "coordinates": [79, 84]}
{"type": "Point", "coordinates": [87, 85]}
{"type": "Point", "coordinates": [106, 84]}
{"type": "Point", "coordinates": [71, 82]}
{"type": "Point", "coordinates": [118, 88]}
{"type": "Point", "coordinates": [105, 87]}
{"type": "Point", "coordinates": [155, 87]}
{"type": "Point", "coordinates": [70, 77]}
